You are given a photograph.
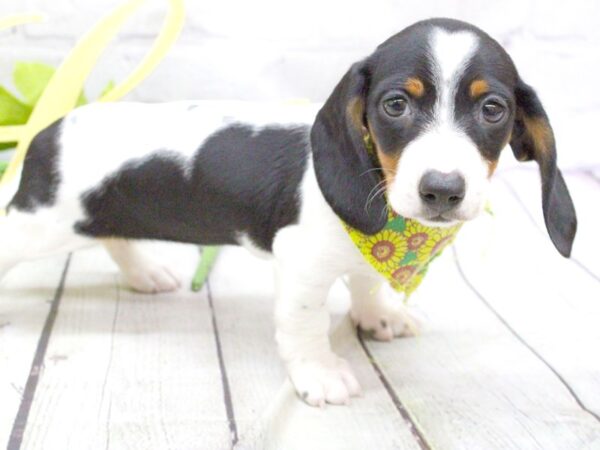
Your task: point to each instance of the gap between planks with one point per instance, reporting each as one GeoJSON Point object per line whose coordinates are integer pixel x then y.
{"type": "Point", "coordinates": [402, 410]}
{"type": "Point", "coordinates": [142, 348]}
{"type": "Point", "coordinates": [520, 338]}
{"type": "Point", "coordinates": [20, 423]}
{"type": "Point", "coordinates": [224, 378]}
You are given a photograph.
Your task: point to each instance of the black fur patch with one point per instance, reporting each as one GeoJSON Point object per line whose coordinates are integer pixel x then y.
{"type": "Point", "coordinates": [240, 181]}
{"type": "Point", "coordinates": [40, 178]}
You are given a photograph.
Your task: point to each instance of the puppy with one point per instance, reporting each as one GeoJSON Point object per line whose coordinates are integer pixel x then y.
{"type": "Point", "coordinates": [439, 101]}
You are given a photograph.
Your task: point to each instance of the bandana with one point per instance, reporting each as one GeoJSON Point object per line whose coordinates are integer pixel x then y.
{"type": "Point", "coordinates": [403, 249]}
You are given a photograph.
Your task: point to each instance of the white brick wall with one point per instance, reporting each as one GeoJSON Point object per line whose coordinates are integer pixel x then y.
{"type": "Point", "coordinates": [277, 49]}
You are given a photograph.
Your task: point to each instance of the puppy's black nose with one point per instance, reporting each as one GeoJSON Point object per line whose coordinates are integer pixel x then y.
{"type": "Point", "coordinates": [440, 191]}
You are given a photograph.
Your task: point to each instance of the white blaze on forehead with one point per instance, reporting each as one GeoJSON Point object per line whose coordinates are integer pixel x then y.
{"type": "Point", "coordinates": [450, 53]}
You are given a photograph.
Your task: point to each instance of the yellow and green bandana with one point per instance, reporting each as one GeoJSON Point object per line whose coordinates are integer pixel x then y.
{"type": "Point", "coordinates": [403, 249]}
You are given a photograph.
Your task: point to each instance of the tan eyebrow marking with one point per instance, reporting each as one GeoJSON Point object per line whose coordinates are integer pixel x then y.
{"type": "Point", "coordinates": [389, 163]}
{"type": "Point", "coordinates": [478, 87]}
{"type": "Point", "coordinates": [414, 87]}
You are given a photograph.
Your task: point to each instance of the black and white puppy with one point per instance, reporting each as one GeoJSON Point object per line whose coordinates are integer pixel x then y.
{"type": "Point", "coordinates": [439, 101]}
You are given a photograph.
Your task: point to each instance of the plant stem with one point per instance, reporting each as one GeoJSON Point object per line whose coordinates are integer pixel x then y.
{"type": "Point", "coordinates": [207, 260]}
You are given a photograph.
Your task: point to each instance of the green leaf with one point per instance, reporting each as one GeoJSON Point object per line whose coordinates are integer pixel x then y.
{"type": "Point", "coordinates": [12, 110]}
{"type": "Point", "coordinates": [31, 78]}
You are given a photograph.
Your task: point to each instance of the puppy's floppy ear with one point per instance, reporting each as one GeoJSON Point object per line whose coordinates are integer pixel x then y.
{"type": "Point", "coordinates": [533, 139]}
{"type": "Point", "coordinates": [342, 162]}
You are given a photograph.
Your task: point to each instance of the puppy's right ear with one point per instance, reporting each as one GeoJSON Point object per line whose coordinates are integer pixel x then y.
{"type": "Point", "coordinates": [347, 174]}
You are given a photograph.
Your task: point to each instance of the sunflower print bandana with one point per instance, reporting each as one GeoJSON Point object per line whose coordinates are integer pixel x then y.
{"type": "Point", "coordinates": [403, 249]}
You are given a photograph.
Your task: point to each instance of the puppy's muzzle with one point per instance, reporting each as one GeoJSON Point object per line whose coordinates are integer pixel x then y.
{"type": "Point", "coordinates": [441, 192]}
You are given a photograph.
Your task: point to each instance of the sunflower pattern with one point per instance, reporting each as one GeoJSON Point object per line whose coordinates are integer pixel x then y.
{"type": "Point", "coordinates": [416, 234]}
{"type": "Point", "coordinates": [440, 238]}
{"type": "Point", "coordinates": [383, 250]}
{"type": "Point", "coordinates": [402, 251]}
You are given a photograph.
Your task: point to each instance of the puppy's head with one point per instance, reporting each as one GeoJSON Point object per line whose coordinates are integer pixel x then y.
{"type": "Point", "coordinates": [419, 125]}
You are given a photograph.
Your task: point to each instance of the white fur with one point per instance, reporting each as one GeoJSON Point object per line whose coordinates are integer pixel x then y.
{"type": "Point", "coordinates": [140, 270]}
{"type": "Point", "coordinates": [53, 234]}
{"type": "Point", "coordinates": [443, 146]}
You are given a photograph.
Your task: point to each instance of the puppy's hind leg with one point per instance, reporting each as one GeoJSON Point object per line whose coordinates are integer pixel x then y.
{"type": "Point", "coordinates": [26, 236]}
{"type": "Point", "coordinates": [142, 272]}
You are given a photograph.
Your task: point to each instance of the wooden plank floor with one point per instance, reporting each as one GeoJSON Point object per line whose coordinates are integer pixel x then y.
{"type": "Point", "coordinates": [507, 357]}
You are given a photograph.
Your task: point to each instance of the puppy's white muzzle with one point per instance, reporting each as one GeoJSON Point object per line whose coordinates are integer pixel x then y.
{"type": "Point", "coordinates": [441, 179]}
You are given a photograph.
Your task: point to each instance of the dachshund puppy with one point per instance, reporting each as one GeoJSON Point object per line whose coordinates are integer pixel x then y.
{"type": "Point", "coordinates": [439, 101]}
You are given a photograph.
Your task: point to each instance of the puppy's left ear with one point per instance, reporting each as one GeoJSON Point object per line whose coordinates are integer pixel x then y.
{"type": "Point", "coordinates": [347, 174]}
{"type": "Point", "coordinates": [533, 139]}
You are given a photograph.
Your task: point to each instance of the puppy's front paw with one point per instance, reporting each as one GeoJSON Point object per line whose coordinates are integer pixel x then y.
{"type": "Point", "coordinates": [384, 320]}
{"type": "Point", "coordinates": [328, 379]}
{"type": "Point", "coordinates": [152, 278]}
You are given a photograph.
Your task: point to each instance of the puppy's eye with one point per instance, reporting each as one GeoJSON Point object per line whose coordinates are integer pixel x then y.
{"type": "Point", "coordinates": [395, 106]}
{"type": "Point", "coordinates": [493, 111]}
